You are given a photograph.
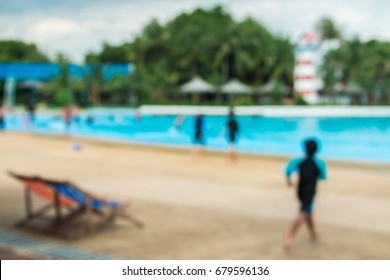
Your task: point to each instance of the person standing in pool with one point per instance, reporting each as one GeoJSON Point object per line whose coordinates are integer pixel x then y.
{"type": "Point", "coordinates": [199, 140]}
{"type": "Point", "coordinates": [232, 128]}
{"type": "Point", "coordinates": [67, 116]}
{"type": "Point", "coordinates": [179, 122]}
{"type": "Point", "coordinates": [75, 112]}
{"type": "Point", "coordinates": [89, 120]}
{"type": "Point", "coordinates": [2, 118]}
{"type": "Point", "coordinates": [31, 113]}
{"type": "Point", "coordinates": [310, 169]}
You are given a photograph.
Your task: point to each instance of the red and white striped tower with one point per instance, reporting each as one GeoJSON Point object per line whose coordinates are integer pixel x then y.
{"type": "Point", "coordinates": [306, 82]}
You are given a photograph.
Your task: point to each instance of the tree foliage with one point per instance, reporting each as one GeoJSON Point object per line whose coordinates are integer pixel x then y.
{"type": "Point", "coordinates": [208, 43]}
{"type": "Point", "coordinates": [366, 64]}
{"type": "Point", "coordinates": [18, 51]}
{"type": "Point", "coordinates": [328, 29]}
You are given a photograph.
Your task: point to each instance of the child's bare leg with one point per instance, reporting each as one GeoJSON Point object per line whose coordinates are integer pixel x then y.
{"type": "Point", "coordinates": [292, 230]}
{"type": "Point", "coordinates": [232, 154]}
{"type": "Point", "coordinates": [202, 151]}
{"type": "Point", "coordinates": [195, 153]}
{"type": "Point", "coordinates": [310, 225]}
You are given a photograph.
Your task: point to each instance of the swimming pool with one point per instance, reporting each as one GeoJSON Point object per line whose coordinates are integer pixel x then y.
{"type": "Point", "coordinates": [365, 139]}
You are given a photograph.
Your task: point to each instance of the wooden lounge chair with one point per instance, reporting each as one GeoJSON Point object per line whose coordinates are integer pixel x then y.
{"type": "Point", "coordinates": [69, 211]}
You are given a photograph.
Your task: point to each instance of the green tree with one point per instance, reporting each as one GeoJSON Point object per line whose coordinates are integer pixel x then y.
{"type": "Point", "coordinates": [114, 54]}
{"type": "Point", "coordinates": [63, 87]}
{"type": "Point", "coordinates": [18, 51]}
{"type": "Point", "coordinates": [363, 63]}
{"type": "Point", "coordinates": [94, 78]}
{"type": "Point", "coordinates": [208, 43]}
{"type": "Point", "coordinates": [328, 30]}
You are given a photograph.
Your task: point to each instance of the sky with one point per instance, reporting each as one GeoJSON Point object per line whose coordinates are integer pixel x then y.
{"type": "Point", "coordinates": [75, 27]}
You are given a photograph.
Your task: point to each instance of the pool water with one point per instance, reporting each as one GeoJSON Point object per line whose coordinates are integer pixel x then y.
{"type": "Point", "coordinates": [352, 139]}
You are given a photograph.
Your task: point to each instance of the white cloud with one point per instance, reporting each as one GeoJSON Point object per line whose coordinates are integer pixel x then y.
{"type": "Point", "coordinates": [53, 26]}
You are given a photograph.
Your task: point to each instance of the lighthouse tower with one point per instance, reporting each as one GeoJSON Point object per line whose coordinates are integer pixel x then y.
{"type": "Point", "coordinates": [306, 81]}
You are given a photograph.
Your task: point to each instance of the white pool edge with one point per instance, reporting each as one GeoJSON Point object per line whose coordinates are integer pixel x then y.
{"type": "Point", "coordinates": [271, 111]}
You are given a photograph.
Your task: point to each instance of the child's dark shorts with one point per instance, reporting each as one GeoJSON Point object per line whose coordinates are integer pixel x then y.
{"type": "Point", "coordinates": [306, 201]}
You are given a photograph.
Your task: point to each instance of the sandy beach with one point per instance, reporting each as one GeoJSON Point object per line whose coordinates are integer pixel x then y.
{"type": "Point", "coordinates": [204, 209]}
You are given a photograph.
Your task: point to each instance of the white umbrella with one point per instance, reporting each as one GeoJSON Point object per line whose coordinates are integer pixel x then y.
{"type": "Point", "coordinates": [270, 87]}
{"type": "Point", "coordinates": [197, 85]}
{"type": "Point", "coordinates": [234, 86]}
{"type": "Point", "coordinates": [349, 88]}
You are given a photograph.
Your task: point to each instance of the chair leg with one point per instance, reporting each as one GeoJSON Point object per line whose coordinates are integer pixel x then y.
{"type": "Point", "coordinates": [28, 202]}
{"type": "Point", "coordinates": [57, 206]}
{"type": "Point", "coordinates": [31, 216]}
{"type": "Point", "coordinates": [89, 213]}
{"type": "Point", "coordinates": [131, 218]}
{"type": "Point", "coordinates": [121, 212]}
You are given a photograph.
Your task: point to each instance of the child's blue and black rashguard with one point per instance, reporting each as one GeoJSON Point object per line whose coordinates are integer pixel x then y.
{"type": "Point", "coordinates": [310, 169]}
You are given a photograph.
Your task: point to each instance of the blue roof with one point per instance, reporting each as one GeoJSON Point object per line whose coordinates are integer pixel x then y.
{"type": "Point", "coordinates": [117, 69]}
{"type": "Point", "coordinates": [48, 71]}
{"type": "Point", "coordinates": [29, 71]}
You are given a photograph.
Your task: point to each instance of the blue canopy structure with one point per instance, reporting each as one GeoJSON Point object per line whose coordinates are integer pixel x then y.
{"type": "Point", "coordinates": [14, 72]}
{"type": "Point", "coordinates": [47, 71]}
{"type": "Point", "coordinates": [29, 71]}
{"type": "Point", "coordinates": [122, 69]}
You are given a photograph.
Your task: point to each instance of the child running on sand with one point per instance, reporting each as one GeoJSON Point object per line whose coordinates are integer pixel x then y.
{"type": "Point", "coordinates": [310, 169]}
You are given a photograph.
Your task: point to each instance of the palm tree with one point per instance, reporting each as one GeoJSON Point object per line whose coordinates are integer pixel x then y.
{"type": "Point", "coordinates": [61, 86]}
{"type": "Point", "coordinates": [328, 30]}
{"type": "Point", "coordinates": [94, 78]}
